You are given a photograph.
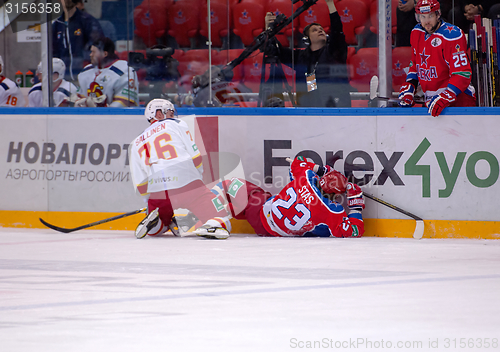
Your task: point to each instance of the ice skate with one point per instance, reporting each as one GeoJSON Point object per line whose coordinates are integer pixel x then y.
{"type": "Point", "coordinates": [147, 224]}
{"type": "Point", "coordinates": [174, 227]}
{"type": "Point", "coordinates": [208, 231]}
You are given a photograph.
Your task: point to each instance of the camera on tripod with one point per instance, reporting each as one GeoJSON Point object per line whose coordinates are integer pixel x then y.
{"type": "Point", "coordinates": [158, 63]}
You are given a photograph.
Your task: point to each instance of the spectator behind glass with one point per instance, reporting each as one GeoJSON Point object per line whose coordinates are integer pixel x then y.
{"type": "Point", "coordinates": [80, 5]}
{"type": "Point", "coordinates": [321, 70]}
{"type": "Point", "coordinates": [82, 30]}
{"type": "Point", "coordinates": [405, 14]}
{"type": "Point", "coordinates": [462, 15]}
{"type": "Point", "coordinates": [485, 8]}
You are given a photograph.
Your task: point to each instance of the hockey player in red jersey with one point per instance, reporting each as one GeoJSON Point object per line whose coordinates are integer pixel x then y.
{"type": "Point", "coordinates": [439, 62]}
{"type": "Point", "coordinates": [301, 208]}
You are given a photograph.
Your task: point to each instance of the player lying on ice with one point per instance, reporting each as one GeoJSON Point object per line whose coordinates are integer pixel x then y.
{"type": "Point", "coordinates": [302, 207]}
{"type": "Point", "coordinates": [166, 168]}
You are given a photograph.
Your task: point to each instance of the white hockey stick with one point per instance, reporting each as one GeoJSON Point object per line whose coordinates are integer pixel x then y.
{"type": "Point", "coordinates": [419, 227]}
{"type": "Point", "coordinates": [374, 91]}
{"type": "Point", "coordinates": [374, 87]}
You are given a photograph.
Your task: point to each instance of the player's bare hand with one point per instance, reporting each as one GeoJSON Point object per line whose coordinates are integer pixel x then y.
{"type": "Point", "coordinates": [270, 17]}
{"type": "Point", "coordinates": [470, 11]}
{"type": "Point", "coordinates": [406, 7]}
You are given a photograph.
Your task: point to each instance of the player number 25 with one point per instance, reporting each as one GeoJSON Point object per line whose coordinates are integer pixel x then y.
{"type": "Point", "coordinates": [460, 59]}
{"type": "Point", "coordinates": [299, 208]}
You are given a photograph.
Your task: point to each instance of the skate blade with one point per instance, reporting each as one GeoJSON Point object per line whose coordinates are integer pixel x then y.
{"type": "Point", "coordinates": [218, 234]}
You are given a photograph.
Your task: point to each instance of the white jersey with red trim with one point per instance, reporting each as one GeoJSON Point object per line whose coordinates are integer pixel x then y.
{"type": "Point", "coordinates": [301, 210]}
{"type": "Point", "coordinates": [64, 91]}
{"type": "Point", "coordinates": [10, 93]}
{"type": "Point", "coordinates": [440, 61]}
{"type": "Point", "coordinates": [164, 157]}
{"type": "Point", "coordinates": [118, 81]}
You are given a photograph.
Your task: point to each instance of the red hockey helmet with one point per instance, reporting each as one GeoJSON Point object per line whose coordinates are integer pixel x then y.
{"type": "Point", "coordinates": [333, 182]}
{"type": "Point", "coordinates": [427, 6]}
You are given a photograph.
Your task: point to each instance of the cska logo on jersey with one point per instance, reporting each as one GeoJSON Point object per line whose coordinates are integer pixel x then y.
{"type": "Point", "coordinates": [425, 74]}
{"type": "Point", "coordinates": [436, 42]}
{"type": "Point", "coordinates": [95, 90]}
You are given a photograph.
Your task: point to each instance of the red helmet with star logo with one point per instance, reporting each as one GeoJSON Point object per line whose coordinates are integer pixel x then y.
{"type": "Point", "coordinates": [427, 6]}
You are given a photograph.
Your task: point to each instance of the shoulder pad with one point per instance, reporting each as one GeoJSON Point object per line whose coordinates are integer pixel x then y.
{"type": "Point", "coordinates": [88, 67]}
{"type": "Point", "coordinates": [37, 86]}
{"type": "Point", "coordinates": [116, 70]}
{"type": "Point", "coordinates": [449, 31]}
{"type": "Point", "coordinates": [419, 27]}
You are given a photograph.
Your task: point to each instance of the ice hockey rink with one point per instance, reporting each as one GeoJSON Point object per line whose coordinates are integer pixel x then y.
{"type": "Point", "coordinates": [107, 291]}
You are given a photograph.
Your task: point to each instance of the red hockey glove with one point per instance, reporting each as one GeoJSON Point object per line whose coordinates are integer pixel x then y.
{"type": "Point", "coordinates": [441, 101]}
{"type": "Point", "coordinates": [355, 199]}
{"type": "Point", "coordinates": [406, 94]}
{"type": "Point", "coordinates": [300, 165]}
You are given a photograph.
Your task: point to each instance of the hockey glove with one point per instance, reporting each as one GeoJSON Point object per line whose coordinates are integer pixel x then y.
{"type": "Point", "coordinates": [406, 94]}
{"type": "Point", "coordinates": [299, 166]}
{"type": "Point", "coordinates": [91, 102]}
{"type": "Point", "coordinates": [441, 101]}
{"type": "Point", "coordinates": [355, 199]}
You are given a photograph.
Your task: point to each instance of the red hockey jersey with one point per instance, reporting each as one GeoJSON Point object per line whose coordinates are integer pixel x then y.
{"type": "Point", "coordinates": [440, 61]}
{"type": "Point", "coordinates": [301, 210]}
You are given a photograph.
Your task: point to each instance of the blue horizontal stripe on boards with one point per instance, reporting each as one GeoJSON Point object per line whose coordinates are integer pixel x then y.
{"type": "Point", "coordinates": [255, 111]}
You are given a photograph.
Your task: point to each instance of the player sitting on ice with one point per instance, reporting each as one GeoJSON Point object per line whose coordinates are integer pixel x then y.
{"type": "Point", "coordinates": [301, 208]}
{"type": "Point", "coordinates": [166, 168]}
{"type": "Point", "coordinates": [439, 62]}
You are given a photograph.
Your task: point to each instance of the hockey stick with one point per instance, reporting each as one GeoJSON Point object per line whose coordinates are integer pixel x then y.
{"type": "Point", "coordinates": [419, 227]}
{"type": "Point", "coordinates": [64, 230]}
{"type": "Point", "coordinates": [374, 91]}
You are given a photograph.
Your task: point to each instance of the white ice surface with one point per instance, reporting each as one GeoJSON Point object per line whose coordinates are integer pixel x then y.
{"type": "Point", "coordinates": [107, 291]}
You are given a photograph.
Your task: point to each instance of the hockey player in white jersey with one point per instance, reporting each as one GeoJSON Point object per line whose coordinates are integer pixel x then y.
{"type": "Point", "coordinates": [107, 81]}
{"type": "Point", "coordinates": [166, 167]}
{"type": "Point", "coordinates": [10, 93]}
{"type": "Point", "coordinates": [62, 89]}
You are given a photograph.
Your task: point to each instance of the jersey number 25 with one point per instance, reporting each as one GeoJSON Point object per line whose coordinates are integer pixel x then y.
{"type": "Point", "coordinates": [460, 59]}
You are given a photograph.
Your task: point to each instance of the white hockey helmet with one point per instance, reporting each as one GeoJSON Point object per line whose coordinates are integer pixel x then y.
{"type": "Point", "coordinates": [1, 64]}
{"type": "Point", "coordinates": [59, 67]}
{"type": "Point", "coordinates": [158, 104]}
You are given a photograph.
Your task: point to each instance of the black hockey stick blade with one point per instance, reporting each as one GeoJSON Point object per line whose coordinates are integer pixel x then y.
{"type": "Point", "coordinates": [64, 230]}
{"type": "Point", "coordinates": [419, 227]}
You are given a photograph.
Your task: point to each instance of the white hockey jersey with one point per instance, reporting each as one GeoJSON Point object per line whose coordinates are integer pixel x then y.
{"type": "Point", "coordinates": [118, 81]}
{"type": "Point", "coordinates": [10, 93]}
{"type": "Point", "coordinates": [65, 90]}
{"type": "Point", "coordinates": [164, 157]}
